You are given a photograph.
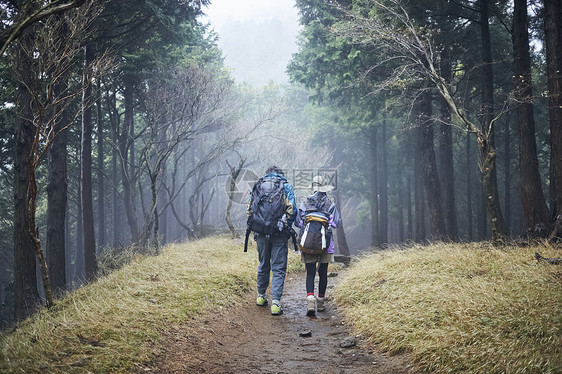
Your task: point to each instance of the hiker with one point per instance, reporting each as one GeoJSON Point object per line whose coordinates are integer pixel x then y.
{"type": "Point", "coordinates": [314, 209]}
{"type": "Point", "coordinates": [271, 213]}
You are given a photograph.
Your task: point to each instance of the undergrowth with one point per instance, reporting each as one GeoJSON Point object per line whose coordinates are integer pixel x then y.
{"type": "Point", "coordinates": [467, 308]}
{"type": "Point", "coordinates": [115, 322]}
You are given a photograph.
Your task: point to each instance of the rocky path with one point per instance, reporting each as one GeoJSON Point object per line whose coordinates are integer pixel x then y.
{"type": "Point", "coordinates": [245, 338]}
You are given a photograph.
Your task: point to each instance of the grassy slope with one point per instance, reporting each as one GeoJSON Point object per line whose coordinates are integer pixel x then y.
{"type": "Point", "coordinates": [460, 308]}
{"type": "Point", "coordinates": [457, 308]}
{"type": "Point", "coordinates": [109, 325]}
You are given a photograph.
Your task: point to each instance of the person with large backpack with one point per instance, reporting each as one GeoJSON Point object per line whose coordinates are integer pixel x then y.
{"type": "Point", "coordinates": [271, 213]}
{"type": "Point", "coordinates": [316, 218]}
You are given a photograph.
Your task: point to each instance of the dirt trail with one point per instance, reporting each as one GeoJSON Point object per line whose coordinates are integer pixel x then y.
{"type": "Point", "coordinates": [245, 338]}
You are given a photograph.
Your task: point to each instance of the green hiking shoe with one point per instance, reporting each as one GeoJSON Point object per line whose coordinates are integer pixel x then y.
{"type": "Point", "coordinates": [276, 309]}
{"type": "Point", "coordinates": [262, 300]}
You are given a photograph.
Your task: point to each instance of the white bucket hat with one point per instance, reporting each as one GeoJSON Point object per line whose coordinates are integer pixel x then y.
{"type": "Point", "coordinates": [320, 184]}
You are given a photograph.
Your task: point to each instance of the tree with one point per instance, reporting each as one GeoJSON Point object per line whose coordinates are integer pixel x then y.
{"type": "Point", "coordinates": [90, 262]}
{"type": "Point", "coordinates": [48, 59]}
{"type": "Point", "coordinates": [183, 107]}
{"type": "Point", "coordinates": [535, 210]}
{"type": "Point", "coordinates": [234, 173]}
{"type": "Point", "coordinates": [487, 148]}
{"type": "Point", "coordinates": [446, 166]}
{"type": "Point", "coordinates": [413, 47]}
{"type": "Point", "coordinates": [57, 189]}
{"type": "Point", "coordinates": [26, 296]}
{"type": "Point", "coordinates": [144, 36]}
{"type": "Point", "coordinates": [429, 164]}
{"type": "Point", "coordinates": [27, 16]}
{"type": "Point", "coordinates": [553, 44]}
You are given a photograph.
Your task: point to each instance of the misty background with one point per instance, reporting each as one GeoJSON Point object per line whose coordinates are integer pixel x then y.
{"type": "Point", "coordinates": [256, 37]}
{"type": "Point", "coordinates": [127, 126]}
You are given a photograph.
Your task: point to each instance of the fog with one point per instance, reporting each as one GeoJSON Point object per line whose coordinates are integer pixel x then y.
{"type": "Point", "coordinates": [257, 38]}
{"type": "Point", "coordinates": [122, 123]}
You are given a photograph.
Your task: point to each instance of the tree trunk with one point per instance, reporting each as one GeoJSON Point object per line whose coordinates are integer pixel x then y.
{"type": "Point", "coordinates": [56, 203]}
{"type": "Point", "coordinates": [489, 173]}
{"type": "Point", "coordinates": [340, 232]}
{"type": "Point", "coordinates": [90, 263]}
{"type": "Point", "coordinates": [535, 210]}
{"type": "Point", "coordinates": [33, 230]}
{"type": "Point", "coordinates": [419, 204]}
{"type": "Point", "coordinates": [446, 166]}
{"type": "Point", "coordinates": [125, 143]}
{"type": "Point", "coordinates": [234, 173]}
{"type": "Point", "coordinates": [116, 220]}
{"type": "Point", "coordinates": [507, 180]}
{"type": "Point", "coordinates": [401, 236]}
{"type": "Point", "coordinates": [79, 275]}
{"type": "Point", "coordinates": [491, 195]}
{"type": "Point", "coordinates": [383, 187]}
{"type": "Point", "coordinates": [100, 174]}
{"type": "Point", "coordinates": [163, 201]}
{"type": "Point", "coordinates": [553, 43]}
{"type": "Point", "coordinates": [410, 235]}
{"type": "Point", "coordinates": [26, 296]}
{"type": "Point", "coordinates": [429, 166]}
{"type": "Point", "coordinates": [375, 238]}
{"type": "Point", "coordinates": [469, 210]}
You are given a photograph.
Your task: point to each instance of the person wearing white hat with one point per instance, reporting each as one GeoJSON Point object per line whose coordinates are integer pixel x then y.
{"type": "Point", "coordinates": [318, 203]}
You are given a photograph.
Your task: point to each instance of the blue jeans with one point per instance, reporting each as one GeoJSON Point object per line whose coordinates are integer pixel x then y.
{"type": "Point", "coordinates": [273, 258]}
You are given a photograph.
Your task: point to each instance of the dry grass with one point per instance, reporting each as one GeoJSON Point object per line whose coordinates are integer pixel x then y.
{"type": "Point", "coordinates": [460, 307]}
{"type": "Point", "coordinates": [114, 323]}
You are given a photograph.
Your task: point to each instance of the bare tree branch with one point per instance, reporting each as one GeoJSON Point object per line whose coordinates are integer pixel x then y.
{"type": "Point", "coordinates": [16, 29]}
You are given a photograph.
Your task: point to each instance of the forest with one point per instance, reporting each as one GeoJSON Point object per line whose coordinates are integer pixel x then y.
{"type": "Point", "coordinates": [122, 129]}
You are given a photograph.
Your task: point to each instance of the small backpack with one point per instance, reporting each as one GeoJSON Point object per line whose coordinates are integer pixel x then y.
{"type": "Point", "coordinates": [316, 235]}
{"type": "Point", "coordinates": [268, 206]}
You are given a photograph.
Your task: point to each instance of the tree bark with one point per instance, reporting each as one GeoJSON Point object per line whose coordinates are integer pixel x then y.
{"type": "Point", "coordinates": [469, 209]}
{"type": "Point", "coordinates": [33, 230]}
{"type": "Point", "coordinates": [127, 178]}
{"type": "Point", "coordinates": [535, 210]}
{"type": "Point", "coordinates": [234, 173]}
{"type": "Point", "coordinates": [340, 232]}
{"type": "Point", "coordinates": [26, 296]}
{"type": "Point", "coordinates": [375, 238]}
{"type": "Point", "coordinates": [409, 206]}
{"type": "Point", "coordinates": [100, 173]}
{"type": "Point", "coordinates": [79, 275]}
{"type": "Point", "coordinates": [163, 201]}
{"type": "Point", "coordinates": [90, 262]}
{"type": "Point", "coordinates": [56, 203]}
{"type": "Point", "coordinates": [489, 172]}
{"type": "Point", "coordinates": [429, 166]}
{"type": "Point", "coordinates": [116, 221]}
{"type": "Point", "coordinates": [419, 204]}
{"type": "Point", "coordinates": [383, 187]}
{"type": "Point", "coordinates": [446, 165]}
{"type": "Point", "coordinates": [401, 236]}
{"type": "Point", "coordinates": [507, 180]}
{"type": "Point", "coordinates": [553, 44]}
